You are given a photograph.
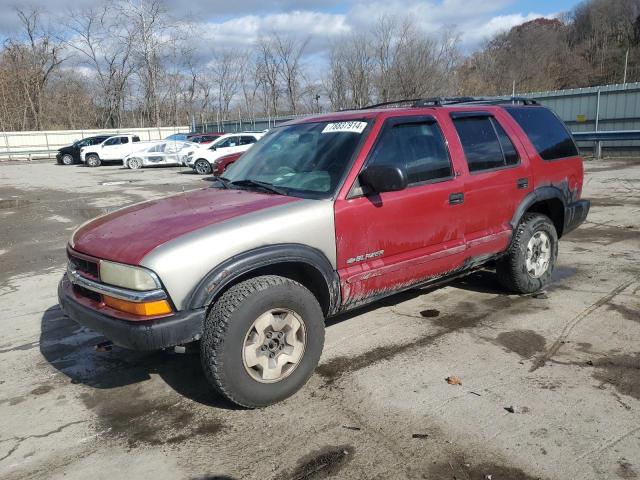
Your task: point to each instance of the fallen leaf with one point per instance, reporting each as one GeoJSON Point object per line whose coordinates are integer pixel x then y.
{"type": "Point", "coordinates": [453, 380]}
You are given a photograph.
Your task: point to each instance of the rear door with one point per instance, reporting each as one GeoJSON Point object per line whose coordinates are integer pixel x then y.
{"type": "Point", "coordinates": [496, 181]}
{"type": "Point", "coordinates": [388, 241]}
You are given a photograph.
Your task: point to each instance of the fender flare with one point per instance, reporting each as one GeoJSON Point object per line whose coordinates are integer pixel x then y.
{"type": "Point", "coordinates": [539, 194]}
{"type": "Point", "coordinates": [233, 268]}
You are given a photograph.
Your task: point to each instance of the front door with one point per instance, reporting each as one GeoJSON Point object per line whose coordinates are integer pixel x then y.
{"type": "Point", "coordinates": [389, 241]}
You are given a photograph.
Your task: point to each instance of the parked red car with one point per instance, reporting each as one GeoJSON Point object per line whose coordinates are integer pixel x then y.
{"type": "Point", "coordinates": [322, 215]}
{"type": "Point", "coordinates": [223, 163]}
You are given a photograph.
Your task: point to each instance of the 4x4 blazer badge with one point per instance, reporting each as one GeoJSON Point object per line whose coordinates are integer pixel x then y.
{"type": "Point", "coordinates": [365, 256]}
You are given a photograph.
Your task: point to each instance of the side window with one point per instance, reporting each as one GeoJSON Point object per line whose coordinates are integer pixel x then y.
{"type": "Point", "coordinates": [158, 148]}
{"type": "Point", "coordinates": [247, 140]}
{"type": "Point", "coordinates": [124, 140]}
{"type": "Point", "coordinates": [485, 143]}
{"type": "Point", "coordinates": [112, 141]}
{"type": "Point", "coordinates": [172, 147]}
{"type": "Point", "coordinates": [418, 147]}
{"type": "Point", "coordinates": [135, 139]}
{"type": "Point", "coordinates": [549, 136]}
{"type": "Point", "coordinates": [224, 143]}
{"type": "Point", "coordinates": [511, 156]}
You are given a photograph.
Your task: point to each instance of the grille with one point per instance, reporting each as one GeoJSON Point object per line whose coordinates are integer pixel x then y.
{"type": "Point", "coordinates": [87, 293]}
{"type": "Point", "coordinates": [85, 266]}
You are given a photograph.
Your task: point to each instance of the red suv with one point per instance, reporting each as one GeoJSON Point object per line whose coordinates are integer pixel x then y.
{"type": "Point", "coordinates": [322, 215]}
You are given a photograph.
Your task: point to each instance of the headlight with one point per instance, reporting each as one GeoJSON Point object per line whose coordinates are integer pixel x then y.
{"type": "Point", "coordinates": [126, 276]}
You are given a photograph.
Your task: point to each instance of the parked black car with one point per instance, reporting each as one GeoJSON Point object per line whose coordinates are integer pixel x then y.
{"type": "Point", "coordinates": [71, 154]}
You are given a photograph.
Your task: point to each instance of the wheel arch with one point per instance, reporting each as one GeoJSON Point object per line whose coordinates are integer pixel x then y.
{"type": "Point", "coordinates": [550, 201]}
{"type": "Point", "coordinates": [301, 263]}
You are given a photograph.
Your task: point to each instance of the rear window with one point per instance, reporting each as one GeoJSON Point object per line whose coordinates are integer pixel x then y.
{"type": "Point", "coordinates": [549, 136]}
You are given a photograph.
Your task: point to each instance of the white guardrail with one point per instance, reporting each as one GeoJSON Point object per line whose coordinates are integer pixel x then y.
{"type": "Point", "coordinates": [45, 144]}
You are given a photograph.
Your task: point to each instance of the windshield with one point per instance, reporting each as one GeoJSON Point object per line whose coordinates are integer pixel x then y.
{"type": "Point", "coordinates": [307, 159]}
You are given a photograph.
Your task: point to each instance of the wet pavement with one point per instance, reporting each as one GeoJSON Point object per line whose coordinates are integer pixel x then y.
{"type": "Point", "coordinates": [550, 383]}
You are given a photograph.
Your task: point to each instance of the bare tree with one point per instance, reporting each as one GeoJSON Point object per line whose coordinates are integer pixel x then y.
{"type": "Point", "coordinates": [34, 62]}
{"type": "Point", "coordinates": [106, 46]}
{"type": "Point", "coordinates": [289, 51]}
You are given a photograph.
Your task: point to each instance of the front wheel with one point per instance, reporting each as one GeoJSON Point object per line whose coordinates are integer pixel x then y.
{"type": "Point", "coordinates": [67, 159]}
{"type": "Point", "coordinates": [134, 163]}
{"type": "Point", "coordinates": [202, 167]}
{"type": "Point", "coordinates": [92, 161]}
{"type": "Point", "coordinates": [262, 340]}
{"type": "Point", "coordinates": [529, 263]}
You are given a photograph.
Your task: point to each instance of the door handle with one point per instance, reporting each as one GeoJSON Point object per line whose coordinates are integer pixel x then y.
{"type": "Point", "coordinates": [456, 198]}
{"type": "Point", "coordinates": [523, 183]}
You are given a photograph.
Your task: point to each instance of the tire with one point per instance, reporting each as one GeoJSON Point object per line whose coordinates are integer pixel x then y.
{"type": "Point", "coordinates": [514, 273]}
{"type": "Point", "coordinates": [92, 160]}
{"type": "Point", "coordinates": [202, 167]}
{"type": "Point", "coordinates": [67, 159]}
{"type": "Point", "coordinates": [134, 163]}
{"type": "Point", "coordinates": [231, 325]}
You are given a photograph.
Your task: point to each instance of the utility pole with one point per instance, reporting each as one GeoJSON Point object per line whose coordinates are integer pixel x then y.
{"type": "Point", "coordinates": [626, 62]}
{"type": "Point", "coordinates": [513, 90]}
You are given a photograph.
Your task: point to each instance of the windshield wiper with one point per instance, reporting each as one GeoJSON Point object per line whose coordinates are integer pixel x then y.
{"type": "Point", "coordinates": [223, 181]}
{"type": "Point", "coordinates": [248, 182]}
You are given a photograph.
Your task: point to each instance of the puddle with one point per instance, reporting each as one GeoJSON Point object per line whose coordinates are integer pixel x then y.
{"type": "Point", "coordinates": [525, 343]}
{"type": "Point", "coordinates": [620, 371]}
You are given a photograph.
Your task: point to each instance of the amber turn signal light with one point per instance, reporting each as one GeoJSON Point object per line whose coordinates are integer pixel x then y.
{"type": "Point", "coordinates": [159, 307]}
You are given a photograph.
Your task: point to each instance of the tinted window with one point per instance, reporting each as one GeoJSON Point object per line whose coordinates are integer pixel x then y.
{"type": "Point", "coordinates": [247, 140]}
{"type": "Point", "coordinates": [417, 147]}
{"type": "Point", "coordinates": [113, 141]}
{"type": "Point", "coordinates": [135, 139]}
{"type": "Point", "coordinates": [124, 140]}
{"type": "Point", "coordinates": [548, 134]}
{"type": "Point", "coordinates": [480, 143]}
{"type": "Point", "coordinates": [510, 154]}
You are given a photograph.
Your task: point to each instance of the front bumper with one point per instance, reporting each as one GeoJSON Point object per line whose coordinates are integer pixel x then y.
{"type": "Point", "coordinates": [575, 214]}
{"type": "Point", "coordinates": [177, 329]}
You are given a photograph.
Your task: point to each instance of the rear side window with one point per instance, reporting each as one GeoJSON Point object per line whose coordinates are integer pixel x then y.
{"type": "Point", "coordinates": [247, 140]}
{"type": "Point", "coordinates": [135, 139]}
{"type": "Point", "coordinates": [549, 136]}
{"type": "Point", "coordinates": [417, 147]}
{"type": "Point", "coordinates": [485, 143]}
{"type": "Point", "coordinates": [124, 140]}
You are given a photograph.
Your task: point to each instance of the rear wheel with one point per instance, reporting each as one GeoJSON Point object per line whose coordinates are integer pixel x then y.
{"type": "Point", "coordinates": [92, 161]}
{"type": "Point", "coordinates": [262, 340]}
{"type": "Point", "coordinates": [202, 167]}
{"type": "Point", "coordinates": [529, 263]}
{"type": "Point", "coordinates": [67, 159]}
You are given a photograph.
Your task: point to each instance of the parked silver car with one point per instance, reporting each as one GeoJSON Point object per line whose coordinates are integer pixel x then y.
{"type": "Point", "coordinates": [164, 152]}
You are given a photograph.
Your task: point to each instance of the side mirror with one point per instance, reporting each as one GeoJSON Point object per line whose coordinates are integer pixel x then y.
{"type": "Point", "coordinates": [384, 178]}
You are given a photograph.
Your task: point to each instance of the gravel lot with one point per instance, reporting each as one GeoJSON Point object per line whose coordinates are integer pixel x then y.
{"type": "Point", "coordinates": [567, 364]}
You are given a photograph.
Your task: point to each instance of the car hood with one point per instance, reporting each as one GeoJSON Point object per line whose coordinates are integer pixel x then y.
{"type": "Point", "coordinates": [129, 234]}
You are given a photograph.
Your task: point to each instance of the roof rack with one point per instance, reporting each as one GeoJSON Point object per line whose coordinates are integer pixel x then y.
{"type": "Point", "coordinates": [442, 101]}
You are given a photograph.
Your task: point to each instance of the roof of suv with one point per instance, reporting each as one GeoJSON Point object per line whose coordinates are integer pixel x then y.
{"type": "Point", "coordinates": [409, 107]}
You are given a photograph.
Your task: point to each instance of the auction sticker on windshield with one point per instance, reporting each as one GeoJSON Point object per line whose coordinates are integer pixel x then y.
{"type": "Point", "coordinates": [354, 127]}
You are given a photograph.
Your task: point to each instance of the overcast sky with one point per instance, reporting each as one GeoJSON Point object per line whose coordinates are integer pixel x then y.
{"type": "Point", "coordinates": [239, 22]}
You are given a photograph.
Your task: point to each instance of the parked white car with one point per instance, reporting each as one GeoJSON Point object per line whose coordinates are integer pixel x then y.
{"type": "Point", "coordinates": [112, 149]}
{"type": "Point", "coordinates": [163, 152]}
{"type": "Point", "coordinates": [203, 160]}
